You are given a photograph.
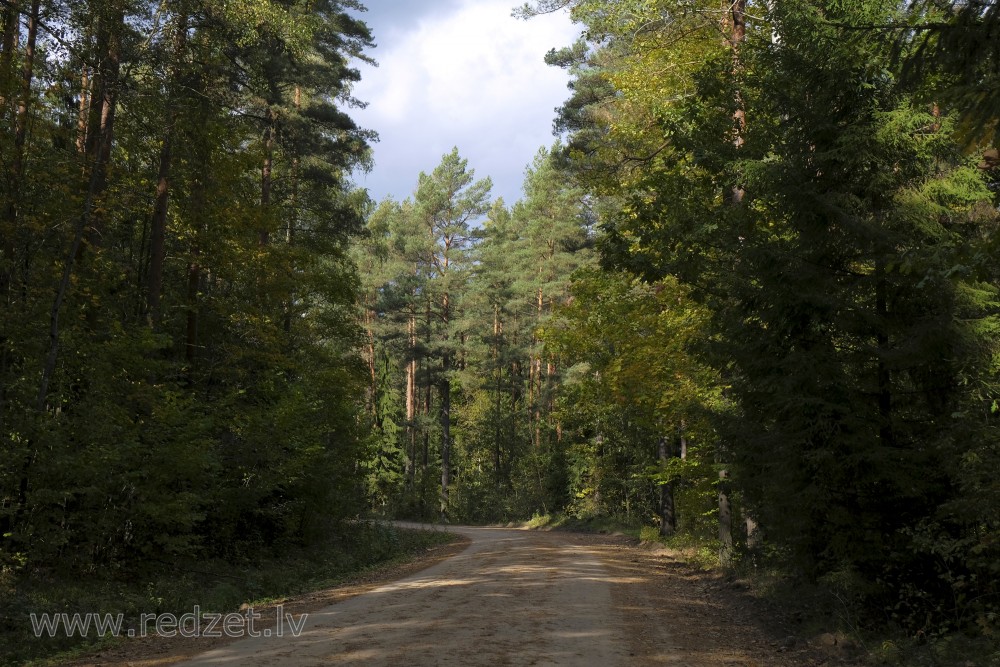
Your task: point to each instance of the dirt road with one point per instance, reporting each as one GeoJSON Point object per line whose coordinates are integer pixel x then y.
{"type": "Point", "coordinates": [513, 597]}
{"type": "Point", "coordinates": [517, 597]}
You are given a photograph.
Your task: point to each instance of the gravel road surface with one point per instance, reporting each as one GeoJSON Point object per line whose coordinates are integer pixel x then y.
{"type": "Point", "coordinates": [513, 597]}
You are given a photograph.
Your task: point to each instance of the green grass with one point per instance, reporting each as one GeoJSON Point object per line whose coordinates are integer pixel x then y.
{"type": "Point", "coordinates": [603, 525]}
{"type": "Point", "coordinates": [213, 585]}
{"type": "Point", "coordinates": [691, 549]}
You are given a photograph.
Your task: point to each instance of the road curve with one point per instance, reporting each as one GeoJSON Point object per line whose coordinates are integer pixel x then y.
{"type": "Point", "coordinates": [513, 597]}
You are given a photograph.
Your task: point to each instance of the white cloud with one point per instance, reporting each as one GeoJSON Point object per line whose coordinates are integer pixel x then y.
{"type": "Point", "coordinates": [474, 78]}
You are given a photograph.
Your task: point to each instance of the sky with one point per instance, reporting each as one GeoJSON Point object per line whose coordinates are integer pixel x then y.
{"type": "Point", "coordinates": [458, 73]}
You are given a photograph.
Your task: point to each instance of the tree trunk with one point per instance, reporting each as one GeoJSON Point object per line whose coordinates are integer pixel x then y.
{"type": "Point", "coordinates": [668, 514]}
{"type": "Point", "coordinates": [27, 73]}
{"type": "Point", "coordinates": [682, 434]}
{"type": "Point", "coordinates": [158, 232]}
{"type": "Point", "coordinates": [445, 437]}
{"type": "Point", "coordinates": [411, 397]}
{"type": "Point", "coordinates": [445, 408]}
{"type": "Point", "coordinates": [550, 378]}
{"type": "Point", "coordinates": [536, 372]}
{"type": "Point", "coordinates": [51, 356]}
{"type": "Point", "coordinates": [369, 354]}
{"type": "Point", "coordinates": [196, 275]}
{"type": "Point", "coordinates": [103, 110]}
{"type": "Point", "coordinates": [884, 376]}
{"type": "Point", "coordinates": [100, 149]}
{"type": "Point", "coordinates": [158, 226]}
{"type": "Point", "coordinates": [266, 173]}
{"type": "Point", "coordinates": [411, 372]}
{"type": "Point", "coordinates": [725, 521]}
{"type": "Point", "coordinates": [498, 398]}
{"type": "Point", "coordinates": [737, 37]}
{"type": "Point", "coordinates": [11, 28]}
{"type": "Point", "coordinates": [427, 390]}
{"type": "Point", "coordinates": [191, 327]}
{"type": "Point", "coordinates": [84, 110]}
{"type": "Point", "coordinates": [293, 215]}
{"type": "Point", "coordinates": [15, 177]}
{"type": "Point", "coordinates": [752, 530]}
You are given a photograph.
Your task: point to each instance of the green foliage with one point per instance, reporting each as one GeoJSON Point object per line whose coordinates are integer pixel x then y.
{"type": "Point", "coordinates": [803, 184]}
{"type": "Point", "coordinates": [227, 417]}
{"type": "Point", "coordinates": [632, 379]}
{"type": "Point", "coordinates": [949, 50]}
{"type": "Point", "coordinates": [385, 462]}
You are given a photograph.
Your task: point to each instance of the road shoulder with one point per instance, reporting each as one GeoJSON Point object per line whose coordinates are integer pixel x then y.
{"type": "Point", "coordinates": [678, 614]}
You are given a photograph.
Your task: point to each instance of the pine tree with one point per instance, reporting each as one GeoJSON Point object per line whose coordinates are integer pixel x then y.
{"type": "Point", "coordinates": [119, 435]}
{"type": "Point", "coordinates": [446, 203]}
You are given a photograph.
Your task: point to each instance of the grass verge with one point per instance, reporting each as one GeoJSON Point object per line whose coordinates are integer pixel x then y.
{"type": "Point", "coordinates": [602, 525]}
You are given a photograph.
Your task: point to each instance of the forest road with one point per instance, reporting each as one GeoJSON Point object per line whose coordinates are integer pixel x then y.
{"type": "Point", "coordinates": [513, 597]}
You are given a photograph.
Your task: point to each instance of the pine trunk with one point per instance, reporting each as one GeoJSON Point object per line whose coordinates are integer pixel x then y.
{"type": "Point", "coordinates": [11, 28]}
{"type": "Point", "coordinates": [427, 391]}
{"type": "Point", "coordinates": [445, 406]}
{"type": "Point", "coordinates": [266, 177]}
{"type": "Point", "coordinates": [158, 226]}
{"type": "Point", "coordinates": [737, 37]}
{"type": "Point", "coordinates": [83, 110]}
{"type": "Point", "coordinates": [411, 398]}
{"type": "Point", "coordinates": [497, 422]}
{"type": "Point", "coordinates": [103, 110]}
{"type": "Point", "coordinates": [293, 214]}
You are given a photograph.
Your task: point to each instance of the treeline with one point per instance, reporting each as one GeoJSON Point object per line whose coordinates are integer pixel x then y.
{"type": "Point", "coordinates": [461, 389]}
{"type": "Point", "coordinates": [780, 333]}
{"type": "Point", "coordinates": [178, 357]}
{"type": "Point", "coordinates": [510, 376]}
